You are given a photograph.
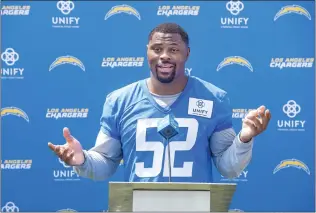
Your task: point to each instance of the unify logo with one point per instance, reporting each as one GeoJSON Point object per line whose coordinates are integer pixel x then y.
{"type": "Point", "coordinates": [242, 177]}
{"type": "Point", "coordinates": [188, 71]}
{"type": "Point", "coordinates": [199, 107]}
{"type": "Point", "coordinates": [291, 109]}
{"type": "Point", "coordinates": [234, 7]}
{"type": "Point", "coordinates": [10, 207]}
{"type": "Point", "coordinates": [66, 174]}
{"type": "Point", "coordinates": [65, 7]}
{"type": "Point", "coordinates": [9, 71]}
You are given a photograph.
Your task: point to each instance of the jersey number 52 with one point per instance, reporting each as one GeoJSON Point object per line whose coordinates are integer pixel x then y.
{"type": "Point", "coordinates": [158, 149]}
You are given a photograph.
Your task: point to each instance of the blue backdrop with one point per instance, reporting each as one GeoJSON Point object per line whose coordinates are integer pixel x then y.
{"type": "Point", "coordinates": [60, 59]}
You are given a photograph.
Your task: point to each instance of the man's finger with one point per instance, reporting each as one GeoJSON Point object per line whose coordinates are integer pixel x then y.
{"type": "Point", "coordinates": [266, 118]}
{"type": "Point", "coordinates": [257, 123]}
{"type": "Point", "coordinates": [252, 113]}
{"type": "Point", "coordinates": [250, 123]}
{"type": "Point", "coordinates": [260, 111]}
{"type": "Point", "coordinates": [51, 146]}
{"type": "Point", "coordinates": [64, 154]}
{"type": "Point", "coordinates": [57, 148]}
{"type": "Point", "coordinates": [70, 154]}
{"type": "Point", "coordinates": [67, 135]}
{"type": "Point", "coordinates": [69, 157]}
{"type": "Point", "coordinates": [251, 116]}
{"type": "Point", "coordinates": [60, 151]}
{"type": "Point", "coordinates": [268, 114]}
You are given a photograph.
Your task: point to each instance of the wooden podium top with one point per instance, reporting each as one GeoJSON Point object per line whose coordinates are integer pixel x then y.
{"type": "Point", "coordinates": [121, 193]}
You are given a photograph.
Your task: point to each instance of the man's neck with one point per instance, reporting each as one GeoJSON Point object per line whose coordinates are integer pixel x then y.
{"type": "Point", "coordinates": [159, 88]}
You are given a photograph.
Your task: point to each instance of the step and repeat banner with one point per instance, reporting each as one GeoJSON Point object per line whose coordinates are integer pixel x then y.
{"type": "Point", "coordinates": [59, 60]}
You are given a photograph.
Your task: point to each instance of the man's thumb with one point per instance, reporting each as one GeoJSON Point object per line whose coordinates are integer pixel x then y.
{"type": "Point", "coordinates": [51, 146]}
{"type": "Point", "coordinates": [67, 135]}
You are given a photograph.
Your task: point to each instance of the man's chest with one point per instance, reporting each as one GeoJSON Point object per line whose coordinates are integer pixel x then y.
{"type": "Point", "coordinates": [193, 118]}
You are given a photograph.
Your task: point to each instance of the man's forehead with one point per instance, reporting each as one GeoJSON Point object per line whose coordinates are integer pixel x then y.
{"type": "Point", "coordinates": [170, 37]}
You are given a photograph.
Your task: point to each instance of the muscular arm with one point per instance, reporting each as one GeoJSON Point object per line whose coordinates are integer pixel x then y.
{"type": "Point", "coordinates": [102, 160]}
{"type": "Point", "coordinates": [230, 155]}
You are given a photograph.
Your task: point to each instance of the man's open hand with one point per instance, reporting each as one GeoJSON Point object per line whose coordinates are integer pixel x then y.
{"type": "Point", "coordinates": [71, 152]}
{"type": "Point", "coordinates": [255, 122]}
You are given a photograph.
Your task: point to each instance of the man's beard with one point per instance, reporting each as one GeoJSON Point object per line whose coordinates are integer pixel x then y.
{"type": "Point", "coordinates": [166, 80]}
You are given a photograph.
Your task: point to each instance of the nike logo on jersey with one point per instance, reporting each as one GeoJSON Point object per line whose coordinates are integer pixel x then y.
{"type": "Point", "coordinates": [200, 107]}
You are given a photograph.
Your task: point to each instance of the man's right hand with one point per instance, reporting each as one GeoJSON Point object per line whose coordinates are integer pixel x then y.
{"type": "Point", "coordinates": [71, 152]}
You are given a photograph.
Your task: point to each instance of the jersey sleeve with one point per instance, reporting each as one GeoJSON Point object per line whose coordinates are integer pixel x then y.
{"type": "Point", "coordinates": [224, 111]}
{"type": "Point", "coordinates": [110, 117]}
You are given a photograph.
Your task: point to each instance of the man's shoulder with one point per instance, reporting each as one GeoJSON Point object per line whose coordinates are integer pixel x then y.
{"type": "Point", "coordinates": [125, 90]}
{"type": "Point", "coordinates": [208, 89]}
{"type": "Point", "coordinates": [126, 93]}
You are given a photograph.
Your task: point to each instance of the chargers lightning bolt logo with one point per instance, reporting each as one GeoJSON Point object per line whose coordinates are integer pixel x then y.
{"type": "Point", "coordinates": [122, 9]}
{"type": "Point", "coordinates": [234, 60]}
{"type": "Point", "coordinates": [67, 60]}
{"type": "Point", "coordinates": [291, 163]}
{"type": "Point", "coordinates": [14, 111]}
{"type": "Point", "coordinates": [292, 9]}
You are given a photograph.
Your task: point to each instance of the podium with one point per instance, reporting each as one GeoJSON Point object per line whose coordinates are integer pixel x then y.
{"type": "Point", "coordinates": [169, 196]}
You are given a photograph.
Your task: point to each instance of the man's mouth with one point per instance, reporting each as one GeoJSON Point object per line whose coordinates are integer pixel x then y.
{"type": "Point", "coordinates": [165, 68]}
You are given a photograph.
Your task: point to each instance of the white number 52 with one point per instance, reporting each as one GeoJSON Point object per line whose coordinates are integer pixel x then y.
{"type": "Point", "coordinates": [157, 147]}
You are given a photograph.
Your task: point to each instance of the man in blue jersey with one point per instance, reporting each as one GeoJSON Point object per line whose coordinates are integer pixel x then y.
{"type": "Point", "coordinates": [131, 115]}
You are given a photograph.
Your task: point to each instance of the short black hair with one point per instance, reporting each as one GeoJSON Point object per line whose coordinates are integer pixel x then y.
{"type": "Point", "coordinates": [171, 28]}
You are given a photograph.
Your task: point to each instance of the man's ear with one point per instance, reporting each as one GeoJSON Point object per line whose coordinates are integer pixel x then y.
{"type": "Point", "coordinates": [147, 51]}
{"type": "Point", "coordinates": [188, 52]}
{"type": "Point", "coordinates": [147, 46]}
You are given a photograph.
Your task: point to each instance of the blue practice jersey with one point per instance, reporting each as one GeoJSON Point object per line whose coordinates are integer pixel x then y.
{"type": "Point", "coordinates": [131, 115]}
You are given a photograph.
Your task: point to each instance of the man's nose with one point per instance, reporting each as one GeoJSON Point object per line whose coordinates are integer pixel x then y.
{"type": "Point", "coordinates": [164, 57]}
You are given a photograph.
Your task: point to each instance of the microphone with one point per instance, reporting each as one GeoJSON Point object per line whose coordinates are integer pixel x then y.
{"type": "Point", "coordinates": [168, 127]}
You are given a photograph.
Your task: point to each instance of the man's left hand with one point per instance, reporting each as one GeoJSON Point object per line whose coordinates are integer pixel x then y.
{"type": "Point", "coordinates": [254, 123]}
